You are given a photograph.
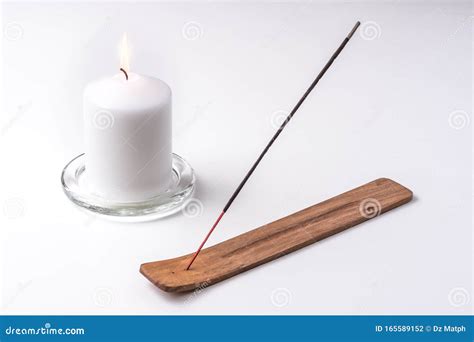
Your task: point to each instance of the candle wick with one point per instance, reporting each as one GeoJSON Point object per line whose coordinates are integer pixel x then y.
{"type": "Point", "coordinates": [126, 75]}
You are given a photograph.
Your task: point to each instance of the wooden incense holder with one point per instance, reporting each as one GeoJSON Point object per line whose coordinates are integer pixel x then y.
{"type": "Point", "coordinates": [277, 238]}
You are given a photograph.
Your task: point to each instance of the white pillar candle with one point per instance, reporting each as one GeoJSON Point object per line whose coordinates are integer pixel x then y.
{"type": "Point", "coordinates": [127, 127]}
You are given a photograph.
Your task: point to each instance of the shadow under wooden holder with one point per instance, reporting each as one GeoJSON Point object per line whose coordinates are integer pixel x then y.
{"type": "Point", "coordinates": [277, 238]}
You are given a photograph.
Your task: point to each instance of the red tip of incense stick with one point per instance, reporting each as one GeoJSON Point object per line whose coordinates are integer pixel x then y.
{"type": "Point", "coordinates": [275, 136]}
{"type": "Point", "coordinates": [205, 240]}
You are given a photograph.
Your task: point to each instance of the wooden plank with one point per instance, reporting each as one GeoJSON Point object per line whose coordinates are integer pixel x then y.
{"type": "Point", "coordinates": [277, 238]}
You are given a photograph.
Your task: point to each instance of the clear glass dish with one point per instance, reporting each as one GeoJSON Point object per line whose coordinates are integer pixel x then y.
{"type": "Point", "coordinates": [164, 204]}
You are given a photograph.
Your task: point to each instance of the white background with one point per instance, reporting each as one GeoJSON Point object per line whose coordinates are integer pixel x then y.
{"type": "Point", "coordinates": [385, 109]}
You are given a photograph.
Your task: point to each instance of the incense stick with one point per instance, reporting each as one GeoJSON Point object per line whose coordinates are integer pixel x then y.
{"type": "Point", "coordinates": [275, 136]}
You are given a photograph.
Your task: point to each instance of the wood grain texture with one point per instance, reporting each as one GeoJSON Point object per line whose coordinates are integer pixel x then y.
{"type": "Point", "coordinates": [277, 238]}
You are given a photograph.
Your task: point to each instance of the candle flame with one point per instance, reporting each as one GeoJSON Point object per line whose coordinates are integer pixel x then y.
{"type": "Point", "coordinates": [125, 54]}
